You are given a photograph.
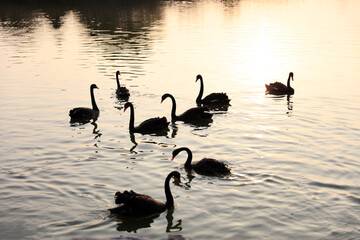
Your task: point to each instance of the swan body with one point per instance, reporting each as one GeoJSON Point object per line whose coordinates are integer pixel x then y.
{"type": "Point", "coordinates": [211, 99]}
{"type": "Point", "coordinates": [206, 166]}
{"type": "Point", "coordinates": [151, 125]}
{"type": "Point", "coordinates": [84, 113]}
{"type": "Point", "coordinates": [121, 92]}
{"type": "Point", "coordinates": [278, 88]}
{"type": "Point", "coordinates": [192, 114]}
{"type": "Point", "coordinates": [135, 204]}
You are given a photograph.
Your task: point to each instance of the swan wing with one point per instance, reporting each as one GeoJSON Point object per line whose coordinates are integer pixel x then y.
{"type": "Point", "coordinates": [153, 124]}
{"type": "Point", "coordinates": [133, 204]}
{"type": "Point", "coordinates": [196, 113]}
{"type": "Point", "coordinates": [216, 98]}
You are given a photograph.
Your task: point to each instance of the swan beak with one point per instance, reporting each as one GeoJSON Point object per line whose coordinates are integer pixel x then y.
{"type": "Point", "coordinates": [125, 109]}
{"type": "Point", "coordinates": [173, 156]}
{"type": "Point", "coordinates": [162, 100]}
{"type": "Point", "coordinates": [179, 180]}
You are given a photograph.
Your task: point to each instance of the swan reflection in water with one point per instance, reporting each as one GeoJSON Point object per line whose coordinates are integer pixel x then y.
{"type": "Point", "coordinates": [132, 224]}
{"type": "Point", "coordinates": [200, 124]}
{"type": "Point", "coordinates": [289, 101]}
{"type": "Point", "coordinates": [95, 130]}
{"type": "Point", "coordinates": [170, 226]}
{"type": "Point", "coordinates": [83, 121]}
{"type": "Point", "coordinates": [133, 138]}
{"type": "Point", "coordinates": [196, 127]}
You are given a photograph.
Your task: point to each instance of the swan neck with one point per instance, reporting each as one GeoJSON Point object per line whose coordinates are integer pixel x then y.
{"type": "Point", "coordinates": [93, 103]}
{"type": "Point", "coordinates": [132, 119]}
{"type": "Point", "coordinates": [198, 99]}
{"type": "Point", "coordinates": [173, 109]}
{"type": "Point", "coordinates": [288, 82]}
{"type": "Point", "coordinates": [189, 158]}
{"type": "Point", "coordinates": [169, 198]}
{"type": "Point", "coordinates": [117, 81]}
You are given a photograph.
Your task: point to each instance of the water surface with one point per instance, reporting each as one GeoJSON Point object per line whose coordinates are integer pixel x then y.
{"type": "Point", "coordinates": [294, 159]}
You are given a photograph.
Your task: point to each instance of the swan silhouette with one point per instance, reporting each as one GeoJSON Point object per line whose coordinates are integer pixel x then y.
{"type": "Point", "coordinates": [82, 114]}
{"type": "Point", "coordinates": [135, 204]}
{"type": "Point", "coordinates": [121, 92]}
{"type": "Point", "coordinates": [278, 88]}
{"type": "Point", "coordinates": [151, 125]}
{"type": "Point", "coordinates": [192, 114]}
{"type": "Point", "coordinates": [206, 166]}
{"type": "Point", "coordinates": [211, 99]}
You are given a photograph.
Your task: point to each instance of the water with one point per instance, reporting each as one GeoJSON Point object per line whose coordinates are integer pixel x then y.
{"type": "Point", "coordinates": [295, 161]}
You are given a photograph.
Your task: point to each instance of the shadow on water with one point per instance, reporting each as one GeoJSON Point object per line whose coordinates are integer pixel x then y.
{"type": "Point", "coordinates": [125, 23]}
{"type": "Point", "coordinates": [91, 8]}
{"type": "Point", "coordinates": [109, 15]}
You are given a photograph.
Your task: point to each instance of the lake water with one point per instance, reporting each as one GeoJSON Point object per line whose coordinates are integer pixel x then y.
{"type": "Point", "coordinates": [295, 162]}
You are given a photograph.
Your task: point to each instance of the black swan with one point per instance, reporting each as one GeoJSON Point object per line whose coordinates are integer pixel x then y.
{"type": "Point", "coordinates": [83, 113]}
{"type": "Point", "coordinates": [211, 99]}
{"type": "Point", "coordinates": [121, 92]}
{"type": "Point", "coordinates": [192, 114]}
{"type": "Point", "coordinates": [135, 204]}
{"type": "Point", "coordinates": [279, 88]}
{"type": "Point", "coordinates": [206, 166]}
{"type": "Point", "coordinates": [151, 125]}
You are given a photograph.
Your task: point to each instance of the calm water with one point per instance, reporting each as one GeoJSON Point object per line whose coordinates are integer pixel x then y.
{"type": "Point", "coordinates": [296, 166]}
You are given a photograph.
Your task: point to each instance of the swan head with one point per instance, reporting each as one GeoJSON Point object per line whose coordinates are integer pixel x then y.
{"type": "Point", "coordinates": [118, 73]}
{"type": "Point", "coordinates": [198, 77]}
{"type": "Point", "coordinates": [177, 151]}
{"type": "Point", "coordinates": [127, 105]}
{"type": "Point", "coordinates": [165, 96]}
{"type": "Point", "coordinates": [176, 175]}
{"type": "Point", "coordinates": [93, 86]}
{"type": "Point", "coordinates": [291, 75]}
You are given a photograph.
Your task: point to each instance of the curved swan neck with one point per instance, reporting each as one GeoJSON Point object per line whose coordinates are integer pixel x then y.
{"type": "Point", "coordinates": [169, 198]}
{"type": "Point", "coordinates": [93, 103]}
{"type": "Point", "coordinates": [173, 108]}
{"type": "Point", "coordinates": [117, 79]}
{"type": "Point", "coordinates": [189, 158]}
{"type": "Point", "coordinates": [132, 118]}
{"type": "Point", "coordinates": [198, 99]}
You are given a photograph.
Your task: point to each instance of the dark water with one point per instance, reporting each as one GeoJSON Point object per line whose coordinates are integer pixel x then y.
{"type": "Point", "coordinates": [295, 161]}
